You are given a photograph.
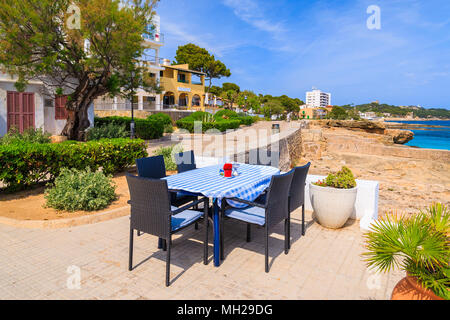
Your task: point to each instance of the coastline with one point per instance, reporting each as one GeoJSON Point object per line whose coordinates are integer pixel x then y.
{"type": "Point", "coordinates": [410, 178]}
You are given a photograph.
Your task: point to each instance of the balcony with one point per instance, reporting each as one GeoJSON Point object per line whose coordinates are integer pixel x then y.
{"type": "Point", "coordinates": [153, 37]}
{"type": "Point", "coordinates": [151, 61]}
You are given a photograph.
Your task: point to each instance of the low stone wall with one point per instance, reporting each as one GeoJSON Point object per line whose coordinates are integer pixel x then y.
{"type": "Point", "coordinates": [289, 146]}
{"type": "Point", "coordinates": [367, 146]}
{"type": "Point", "coordinates": [142, 114]}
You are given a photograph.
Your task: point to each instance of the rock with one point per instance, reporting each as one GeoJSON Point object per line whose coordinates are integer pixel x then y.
{"type": "Point", "coordinates": [367, 126]}
{"type": "Point", "coordinates": [57, 139]}
{"type": "Point", "coordinates": [400, 136]}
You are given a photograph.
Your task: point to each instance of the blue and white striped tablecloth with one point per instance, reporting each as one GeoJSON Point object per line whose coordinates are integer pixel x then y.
{"type": "Point", "coordinates": [248, 185]}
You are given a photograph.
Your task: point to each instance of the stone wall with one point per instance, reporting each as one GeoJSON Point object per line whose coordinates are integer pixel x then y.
{"type": "Point", "coordinates": [142, 114]}
{"type": "Point", "coordinates": [368, 146]}
{"type": "Point", "coordinates": [289, 147]}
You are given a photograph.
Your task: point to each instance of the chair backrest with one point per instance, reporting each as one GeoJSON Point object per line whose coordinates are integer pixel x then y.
{"type": "Point", "coordinates": [297, 192]}
{"type": "Point", "coordinates": [152, 167]}
{"type": "Point", "coordinates": [277, 199]}
{"type": "Point", "coordinates": [150, 205]}
{"type": "Point", "coordinates": [185, 161]}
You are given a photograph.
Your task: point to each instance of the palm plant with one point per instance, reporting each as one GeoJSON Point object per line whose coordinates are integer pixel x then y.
{"type": "Point", "coordinates": [418, 245]}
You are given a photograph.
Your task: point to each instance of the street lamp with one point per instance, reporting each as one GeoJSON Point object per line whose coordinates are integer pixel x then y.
{"type": "Point", "coordinates": [132, 124]}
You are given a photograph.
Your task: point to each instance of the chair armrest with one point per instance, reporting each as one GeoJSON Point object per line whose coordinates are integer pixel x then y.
{"type": "Point", "coordinates": [250, 203]}
{"type": "Point", "coordinates": [190, 205]}
{"type": "Point", "coordinates": [129, 201]}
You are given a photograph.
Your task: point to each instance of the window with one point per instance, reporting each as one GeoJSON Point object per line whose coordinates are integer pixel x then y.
{"type": "Point", "coordinates": [60, 108]}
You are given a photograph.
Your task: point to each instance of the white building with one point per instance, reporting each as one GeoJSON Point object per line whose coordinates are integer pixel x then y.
{"type": "Point", "coordinates": [151, 60]}
{"type": "Point", "coordinates": [33, 108]}
{"type": "Point", "coordinates": [318, 99]}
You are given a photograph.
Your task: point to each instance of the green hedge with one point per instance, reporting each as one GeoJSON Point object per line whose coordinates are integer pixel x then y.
{"type": "Point", "coordinates": [147, 129]}
{"type": "Point", "coordinates": [222, 126]}
{"type": "Point", "coordinates": [23, 165]}
{"type": "Point", "coordinates": [232, 120]}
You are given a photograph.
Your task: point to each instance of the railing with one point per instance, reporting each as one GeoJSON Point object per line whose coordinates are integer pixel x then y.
{"type": "Point", "coordinates": [151, 60]}
{"type": "Point", "coordinates": [146, 105]}
{"type": "Point", "coordinates": [155, 37]}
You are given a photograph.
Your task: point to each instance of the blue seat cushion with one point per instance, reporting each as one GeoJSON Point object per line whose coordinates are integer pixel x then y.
{"type": "Point", "coordinates": [183, 194]}
{"type": "Point", "coordinates": [184, 218]}
{"type": "Point", "coordinates": [254, 215]}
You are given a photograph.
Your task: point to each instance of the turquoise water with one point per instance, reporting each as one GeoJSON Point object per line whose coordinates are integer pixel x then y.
{"type": "Point", "coordinates": [431, 138]}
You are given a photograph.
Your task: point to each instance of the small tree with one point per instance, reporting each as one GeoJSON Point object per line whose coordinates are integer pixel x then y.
{"type": "Point", "coordinates": [82, 48]}
{"type": "Point", "coordinates": [273, 108]}
{"type": "Point", "coordinates": [199, 59]}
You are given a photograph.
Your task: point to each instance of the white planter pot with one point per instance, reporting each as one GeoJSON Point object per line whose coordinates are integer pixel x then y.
{"type": "Point", "coordinates": [332, 207]}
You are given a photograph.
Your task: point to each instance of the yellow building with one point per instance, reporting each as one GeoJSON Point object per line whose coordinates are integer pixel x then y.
{"type": "Point", "coordinates": [183, 88]}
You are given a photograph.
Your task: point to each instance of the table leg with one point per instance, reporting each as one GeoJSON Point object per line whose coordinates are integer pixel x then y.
{"type": "Point", "coordinates": [216, 219]}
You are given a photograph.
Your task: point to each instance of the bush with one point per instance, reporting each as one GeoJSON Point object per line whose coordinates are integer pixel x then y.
{"type": "Point", "coordinates": [225, 114]}
{"type": "Point", "coordinates": [23, 165]}
{"type": "Point", "coordinates": [222, 126]}
{"type": "Point", "coordinates": [232, 115]}
{"type": "Point", "coordinates": [146, 129]}
{"type": "Point", "coordinates": [85, 190]}
{"type": "Point", "coordinates": [165, 119]}
{"type": "Point", "coordinates": [109, 131]}
{"type": "Point", "coordinates": [343, 179]}
{"type": "Point", "coordinates": [168, 154]}
{"type": "Point", "coordinates": [30, 135]}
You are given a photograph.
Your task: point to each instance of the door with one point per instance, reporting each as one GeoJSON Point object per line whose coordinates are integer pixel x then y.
{"type": "Point", "coordinates": [20, 107]}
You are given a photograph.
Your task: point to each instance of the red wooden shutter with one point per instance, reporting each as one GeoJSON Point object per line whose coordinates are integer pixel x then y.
{"type": "Point", "coordinates": [60, 107]}
{"type": "Point", "coordinates": [20, 110]}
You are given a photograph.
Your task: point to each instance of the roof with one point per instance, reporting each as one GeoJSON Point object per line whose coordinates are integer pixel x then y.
{"type": "Point", "coordinates": [185, 68]}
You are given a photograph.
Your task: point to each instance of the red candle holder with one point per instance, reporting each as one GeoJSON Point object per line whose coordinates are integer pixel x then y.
{"type": "Point", "coordinates": [228, 170]}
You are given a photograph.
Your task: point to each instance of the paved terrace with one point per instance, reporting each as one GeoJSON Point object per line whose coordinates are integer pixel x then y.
{"type": "Point", "coordinates": [325, 264]}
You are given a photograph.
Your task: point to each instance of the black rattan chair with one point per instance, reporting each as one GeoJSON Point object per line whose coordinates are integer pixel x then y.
{"type": "Point", "coordinates": [155, 168]}
{"type": "Point", "coordinates": [267, 215]}
{"type": "Point", "coordinates": [185, 161]}
{"type": "Point", "coordinates": [152, 213]}
{"type": "Point", "coordinates": [297, 195]}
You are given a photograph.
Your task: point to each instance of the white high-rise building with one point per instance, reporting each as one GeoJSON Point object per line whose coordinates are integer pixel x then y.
{"type": "Point", "coordinates": [318, 99]}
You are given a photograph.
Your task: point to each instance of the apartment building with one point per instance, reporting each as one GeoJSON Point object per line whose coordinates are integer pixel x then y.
{"type": "Point", "coordinates": [318, 99]}
{"type": "Point", "coordinates": [151, 60]}
{"type": "Point", "coordinates": [183, 88]}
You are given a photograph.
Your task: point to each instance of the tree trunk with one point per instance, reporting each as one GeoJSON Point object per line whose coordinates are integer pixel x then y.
{"type": "Point", "coordinates": [77, 122]}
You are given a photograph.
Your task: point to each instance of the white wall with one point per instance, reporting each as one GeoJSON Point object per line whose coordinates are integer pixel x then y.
{"type": "Point", "coordinates": [38, 104]}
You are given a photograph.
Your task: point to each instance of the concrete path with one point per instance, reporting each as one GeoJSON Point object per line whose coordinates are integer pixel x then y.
{"type": "Point", "coordinates": [325, 264]}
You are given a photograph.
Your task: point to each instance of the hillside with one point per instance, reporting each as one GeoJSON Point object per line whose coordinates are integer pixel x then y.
{"type": "Point", "coordinates": [420, 112]}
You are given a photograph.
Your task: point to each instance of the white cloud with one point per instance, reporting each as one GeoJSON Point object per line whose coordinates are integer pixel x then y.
{"type": "Point", "coordinates": [250, 12]}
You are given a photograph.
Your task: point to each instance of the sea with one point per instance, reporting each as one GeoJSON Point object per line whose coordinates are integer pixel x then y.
{"type": "Point", "coordinates": [430, 138]}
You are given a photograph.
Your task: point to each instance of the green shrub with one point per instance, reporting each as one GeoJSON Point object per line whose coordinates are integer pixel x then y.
{"type": "Point", "coordinates": [85, 190]}
{"type": "Point", "coordinates": [222, 126]}
{"type": "Point", "coordinates": [168, 154]}
{"type": "Point", "coordinates": [30, 135]}
{"type": "Point", "coordinates": [23, 165]}
{"type": "Point", "coordinates": [165, 119]}
{"type": "Point", "coordinates": [343, 179]}
{"type": "Point", "coordinates": [146, 129]}
{"type": "Point", "coordinates": [109, 131]}
{"type": "Point", "coordinates": [226, 114]}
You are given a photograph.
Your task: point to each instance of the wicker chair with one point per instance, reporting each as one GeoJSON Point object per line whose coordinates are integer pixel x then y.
{"type": "Point", "coordinates": [297, 194]}
{"type": "Point", "coordinates": [267, 215]}
{"type": "Point", "coordinates": [185, 161]}
{"type": "Point", "coordinates": [155, 168]}
{"type": "Point", "coordinates": [152, 213]}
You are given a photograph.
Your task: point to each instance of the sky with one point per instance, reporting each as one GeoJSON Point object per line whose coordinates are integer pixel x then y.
{"type": "Point", "coordinates": [289, 46]}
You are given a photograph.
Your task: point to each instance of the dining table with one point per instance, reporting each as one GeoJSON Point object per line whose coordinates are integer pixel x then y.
{"type": "Point", "coordinates": [248, 182]}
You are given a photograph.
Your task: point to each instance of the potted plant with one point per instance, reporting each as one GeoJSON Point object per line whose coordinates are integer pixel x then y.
{"type": "Point", "coordinates": [333, 199]}
{"type": "Point", "coordinates": [418, 245]}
